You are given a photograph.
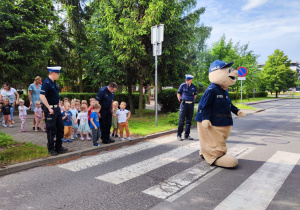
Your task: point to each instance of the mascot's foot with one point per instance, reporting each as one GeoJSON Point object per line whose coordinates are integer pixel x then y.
{"type": "Point", "coordinates": [226, 161]}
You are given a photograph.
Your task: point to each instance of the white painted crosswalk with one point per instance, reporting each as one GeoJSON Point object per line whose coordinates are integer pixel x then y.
{"type": "Point", "coordinates": [260, 188]}
{"type": "Point", "coordinates": [145, 166]}
{"type": "Point", "coordinates": [178, 182]}
{"type": "Point", "coordinates": [106, 157]}
{"type": "Point", "coordinates": [255, 193]}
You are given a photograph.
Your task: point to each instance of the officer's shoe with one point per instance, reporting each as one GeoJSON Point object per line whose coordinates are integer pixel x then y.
{"type": "Point", "coordinates": [111, 141]}
{"type": "Point", "coordinates": [188, 138]}
{"type": "Point", "coordinates": [106, 142]}
{"type": "Point", "coordinates": [61, 150]}
{"type": "Point", "coordinates": [53, 152]}
{"type": "Point", "coordinates": [179, 138]}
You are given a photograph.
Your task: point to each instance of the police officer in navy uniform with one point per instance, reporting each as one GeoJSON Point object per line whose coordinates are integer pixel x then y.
{"type": "Point", "coordinates": [105, 97]}
{"type": "Point", "coordinates": [49, 96]}
{"type": "Point", "coordinates": [186, 95]}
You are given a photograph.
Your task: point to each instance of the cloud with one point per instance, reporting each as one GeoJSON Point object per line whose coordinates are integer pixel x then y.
{"type": "Point", "coordinates": [253, 4]}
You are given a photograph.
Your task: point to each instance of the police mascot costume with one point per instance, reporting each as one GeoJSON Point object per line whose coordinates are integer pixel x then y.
{"type": "Point", "coordinates": [214, 120]}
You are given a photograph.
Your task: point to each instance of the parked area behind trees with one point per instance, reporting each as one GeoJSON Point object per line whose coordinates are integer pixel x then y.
{"type": "Point", "coordinates": [97, 42]}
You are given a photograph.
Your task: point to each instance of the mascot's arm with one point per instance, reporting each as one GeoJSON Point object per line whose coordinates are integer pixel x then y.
{"type": "Point", "coordinates": [236, 111]}
{"type": "Point", "coordinates": [241, 114]}
{"type": "Point", "coordinates": [207, 107]}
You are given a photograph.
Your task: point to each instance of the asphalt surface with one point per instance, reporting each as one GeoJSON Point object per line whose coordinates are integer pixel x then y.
{"type": "Point", "coordinates": [123, 178]}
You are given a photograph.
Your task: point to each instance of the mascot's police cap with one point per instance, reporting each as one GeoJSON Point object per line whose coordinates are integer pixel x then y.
{"type": "Point", "coordinates": [189, 76]}
{"type": "Point", "coordinates": [54, 69]}
{"type": "Point", "coordinates": [217, 64]}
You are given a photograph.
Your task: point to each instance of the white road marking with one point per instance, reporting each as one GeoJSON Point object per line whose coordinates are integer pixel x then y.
{"type": "Point", "coordinates": [85, 163]}
{"type": "Point", "coordinates": [260, 188]}
{"type": "Point", "coordinates": [181, 183]}
{"type": "Point", "coordinates": [130, 172]}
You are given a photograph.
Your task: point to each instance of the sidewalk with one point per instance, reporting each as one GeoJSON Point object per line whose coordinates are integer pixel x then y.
{"type": "Point", "coordinates": [77, 148]}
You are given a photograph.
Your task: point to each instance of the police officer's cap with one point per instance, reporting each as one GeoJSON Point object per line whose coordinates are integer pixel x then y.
{"type": "Point", "coordinates": [55, 69]}
{"type": "Point", "coordinates": [217, 64]}
{"type": "Point", "coordinates": [189, 76]}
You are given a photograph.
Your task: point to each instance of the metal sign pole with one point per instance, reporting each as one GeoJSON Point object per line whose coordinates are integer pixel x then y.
{"type": "Point", "coordinates": [157, 37]}
{"type": "Point", "coordinates": [241, 91]}
{"type": "Point", "coordinates": [155, 88]}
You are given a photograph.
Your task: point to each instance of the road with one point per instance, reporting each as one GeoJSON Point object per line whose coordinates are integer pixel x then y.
{"type": "Point", "coordinates": [163, 173]}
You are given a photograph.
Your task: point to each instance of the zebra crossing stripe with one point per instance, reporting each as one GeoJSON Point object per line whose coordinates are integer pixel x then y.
{"type": "Point", "coordinates": [135, 170]}
{"type": "Point", "coordinates": [185, 181]}
{"type": "Point", "coordinates": [85, 163]}
{"type": "Point", "coordinates": [260, 188]}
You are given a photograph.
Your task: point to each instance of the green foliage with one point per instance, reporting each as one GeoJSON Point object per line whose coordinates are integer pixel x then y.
{"type": "Point", "coordinates": [276, 74]}
{"type": "Point", "coordinates": [25, 38]}
{"type": "Point", "coordinates": [228, 52]}
{"type": "Point", "coordinates": [121, 43]}
{"type": "Point", "coordinates": [6, 140]}
{"type": "Point", "coordinates": [167, 99]}
{"type": "Point", "coordinates": [173, 118]}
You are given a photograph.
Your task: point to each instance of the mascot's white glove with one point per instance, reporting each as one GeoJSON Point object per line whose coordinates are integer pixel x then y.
{"type": "Point", "coordinates": [241, 114]}
{"type": "Point", "coordinates": [206, 124]}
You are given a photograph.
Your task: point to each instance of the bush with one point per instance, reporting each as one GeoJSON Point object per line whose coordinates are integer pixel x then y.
{"type": "Point", "coordinates": [6, 140]}
{"type": "Point", "coordinates": [118, 97]}
{"type": "Point", "coordinates": [167, 99]}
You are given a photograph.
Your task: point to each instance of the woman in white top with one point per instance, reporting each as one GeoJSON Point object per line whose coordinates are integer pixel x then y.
{"type": "Point", "coordinates": [11, 94]}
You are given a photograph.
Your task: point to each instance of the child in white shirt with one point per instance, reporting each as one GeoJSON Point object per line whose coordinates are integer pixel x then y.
{"type": "Point", "coordinates": [84, 127]}
{"type": "Point", "coordinates": [123, 117]}
{"type": "Point", "coordinates": [22, 113]}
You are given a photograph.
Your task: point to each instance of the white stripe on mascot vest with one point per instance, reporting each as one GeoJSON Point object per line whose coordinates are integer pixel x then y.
{"type": "Point", "coordinates": [214, 115]}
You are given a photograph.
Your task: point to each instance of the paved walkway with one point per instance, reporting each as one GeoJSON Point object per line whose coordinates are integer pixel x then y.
{"type": "Point", "coordinates": [40, 137]}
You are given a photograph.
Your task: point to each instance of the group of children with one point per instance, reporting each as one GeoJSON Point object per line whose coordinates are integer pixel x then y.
{"type": "Point", "coordinates": [77, 117]}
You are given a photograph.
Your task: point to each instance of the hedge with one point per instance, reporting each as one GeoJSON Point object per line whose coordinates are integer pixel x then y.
{"type": "Point", "coordinates": [86, 96]}
{"type": "Point", "coordinates": [118, 97]}
{"type": "Point", "coordinates": [167, 99]}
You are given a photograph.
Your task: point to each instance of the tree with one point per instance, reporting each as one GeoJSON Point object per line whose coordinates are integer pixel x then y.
{"type": "Point", "coordinates": [228, 52]}
{"type": "Point", "coordinates": [25, 38]}
{"type": "Point", "coordinates": [127, 24]}
{"type": "Point", "coordinates": [276, 74]}
{"type": "Point", "coordinates": [72, 35]}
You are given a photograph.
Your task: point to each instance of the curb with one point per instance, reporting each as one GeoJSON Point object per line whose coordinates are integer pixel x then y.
{"type": "Point", "coordinates": [77, 154]}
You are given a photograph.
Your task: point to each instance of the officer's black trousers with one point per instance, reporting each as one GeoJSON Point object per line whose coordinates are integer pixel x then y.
{"type": "Point", "coordinates": [186, 112]}
{"type": "Point", "coordinates": [105, 123]}
{"type": "Point", "coordinates": [55, 127]}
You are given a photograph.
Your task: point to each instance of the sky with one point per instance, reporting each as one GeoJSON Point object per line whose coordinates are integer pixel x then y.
{"type": "Point", "coordinates": [266, 25]}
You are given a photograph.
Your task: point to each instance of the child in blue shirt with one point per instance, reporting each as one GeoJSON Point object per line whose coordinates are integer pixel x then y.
{"type": "Point", "coordinates": [95, 125]}
{"type": "Point", "coordinates": [67, 118]}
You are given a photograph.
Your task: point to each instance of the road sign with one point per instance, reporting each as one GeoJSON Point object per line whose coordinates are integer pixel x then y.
{"type": "Point", "coordinates": [242, 71]}
{"type": "Point", "coordinates": [241, 78]}
{"type": "Point", "coordinates": [157, 34]}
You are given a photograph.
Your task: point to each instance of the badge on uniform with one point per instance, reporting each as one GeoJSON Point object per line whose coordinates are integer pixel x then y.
{"type": "Point", "coordinates": [219, 96]}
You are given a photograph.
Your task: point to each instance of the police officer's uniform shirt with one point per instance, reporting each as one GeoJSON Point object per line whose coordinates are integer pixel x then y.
{"type": "Point", "coordinates": [51, 91]}
{"type": "Point", "coordinates": [68, 119]}
{"type": "Point", "coordinates": [187, 92]}
{"type": "Point", "coordinates": [105, 98]}
{"type": "Point", "coordinates": [215, 106]}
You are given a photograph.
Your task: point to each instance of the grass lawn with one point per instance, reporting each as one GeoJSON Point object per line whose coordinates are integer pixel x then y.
{"type": "Point", "coordinates": [145, 124]}
{"type": "Point", "coordinates": [15, 152]}
{"type": "Point", "coordinates": [246, 100]}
